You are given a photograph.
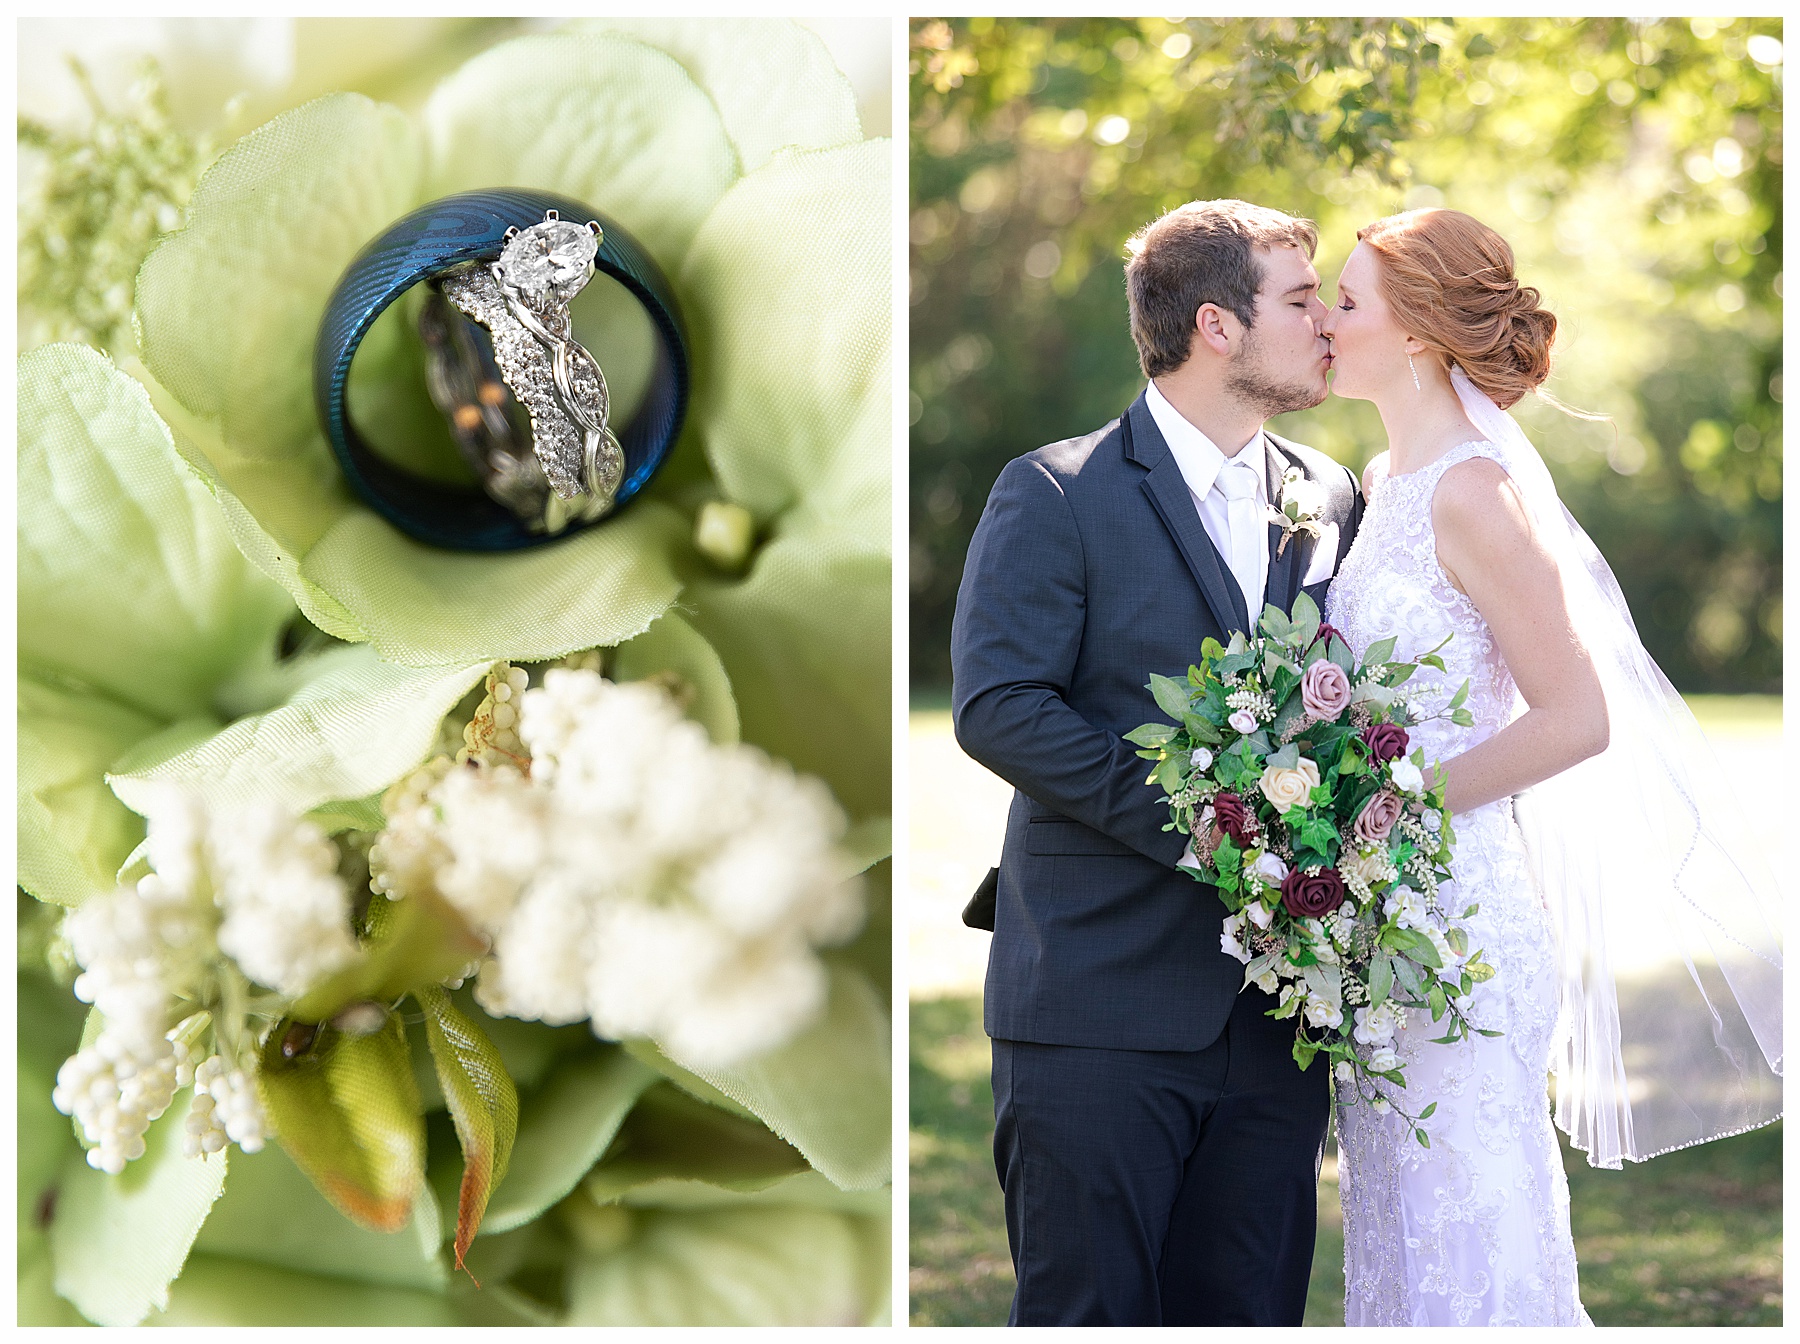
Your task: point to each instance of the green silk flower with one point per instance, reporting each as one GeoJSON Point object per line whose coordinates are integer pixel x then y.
{"type": "Point", "coordinates": [177, 511]}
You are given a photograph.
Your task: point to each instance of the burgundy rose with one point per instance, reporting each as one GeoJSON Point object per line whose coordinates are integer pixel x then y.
{"type": "Point", "coordinates": [1378, 816]}
{"type": "Point", "coordinates": [1386, 741]}
{"type": "Point", "coordinates": [1327, 633]}
{"type": "Point", "coordinates": [1312, 897]}
{"type": "Point", "coordinates": [1325, 690]}
{"type": "Point", "coordinates": [1232, 817]}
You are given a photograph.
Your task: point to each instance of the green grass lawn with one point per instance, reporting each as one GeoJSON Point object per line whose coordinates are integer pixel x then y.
{"type": "Point", "coordinates": [1693, 1238]}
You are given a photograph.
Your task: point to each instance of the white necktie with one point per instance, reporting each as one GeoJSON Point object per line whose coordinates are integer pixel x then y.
{"type": "Point", "coordinates": [1249, 534]}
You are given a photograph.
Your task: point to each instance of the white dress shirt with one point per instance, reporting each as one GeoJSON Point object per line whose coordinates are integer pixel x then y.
{"type": "Point", "coordinates": [1201, 462]}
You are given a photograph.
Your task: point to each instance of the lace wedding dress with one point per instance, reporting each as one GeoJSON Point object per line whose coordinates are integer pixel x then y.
{"type": "Point", "coordinates": [1473, 1230]}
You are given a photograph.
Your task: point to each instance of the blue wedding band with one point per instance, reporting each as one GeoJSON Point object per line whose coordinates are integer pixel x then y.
{"type": "Point", "coordinates": [447, 233]}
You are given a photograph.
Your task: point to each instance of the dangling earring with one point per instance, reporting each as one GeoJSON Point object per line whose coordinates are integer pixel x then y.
{"type": "Point", "coordinates": [1415, 373]}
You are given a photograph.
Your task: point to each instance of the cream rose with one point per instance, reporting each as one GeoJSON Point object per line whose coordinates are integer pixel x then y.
{"type": "Point", "coordinates": [1289, 788]}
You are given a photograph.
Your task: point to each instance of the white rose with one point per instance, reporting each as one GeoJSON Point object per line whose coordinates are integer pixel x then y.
{"type": "Point", "coordinates": [1384, 1060]}
{"type": "Point", "coordinates": [1289, 788]}
{"type": "Point", "coordinates": [1380, 1105]}
{"type": "Point", "coordinates": [1202, 759]}
{"type": "Point", "coordinates": [1375, 1026]}
{"type": "Point", "coordinates": [1260, 914]}
{"type": "Point", "coordinates": [1406, 776]}
{"type": "Point", "coordinates": [1268, 981]}
{"type": "Point", "coordinates": [1270, 869]}
{"type": "Point", "coordinates": [1346, 1071]}
{"type": "Point", "coordinates": [1323, 1012]}
{"type": "Point", "coordinates": [1433, 819]}
{"type": "Point", "coordinates": [1243, 720]}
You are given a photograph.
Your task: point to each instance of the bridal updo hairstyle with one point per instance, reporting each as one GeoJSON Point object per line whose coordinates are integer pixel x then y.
{"type": "Point", "coordinates": [1448, 278]}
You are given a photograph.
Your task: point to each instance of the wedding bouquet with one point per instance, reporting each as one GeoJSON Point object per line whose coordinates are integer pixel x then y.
{"type": "Point", "coordinates": [1288, 765]}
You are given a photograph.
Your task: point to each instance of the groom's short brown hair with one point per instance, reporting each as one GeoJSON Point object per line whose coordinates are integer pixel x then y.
{"type": "Point", "coordinates": [1201, 252]}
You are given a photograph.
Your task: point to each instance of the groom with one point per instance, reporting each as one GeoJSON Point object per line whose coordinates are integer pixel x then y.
{"type": "Point", "coordinates": [1157, 1145]}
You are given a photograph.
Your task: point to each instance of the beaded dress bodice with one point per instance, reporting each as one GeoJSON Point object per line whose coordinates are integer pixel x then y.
{"type": "Point", "coordinates": [1473, 1230]}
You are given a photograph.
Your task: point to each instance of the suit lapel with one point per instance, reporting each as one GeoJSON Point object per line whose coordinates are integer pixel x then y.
{"type": "Point", "coordinates": [1174, 504]}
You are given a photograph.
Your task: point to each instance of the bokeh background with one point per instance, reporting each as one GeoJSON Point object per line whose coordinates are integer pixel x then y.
{"type": "Point", "coordinates": [1634, 165]}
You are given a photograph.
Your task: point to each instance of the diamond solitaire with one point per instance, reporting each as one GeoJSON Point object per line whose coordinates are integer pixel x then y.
{"type": "Point", "coordinates": [549, 262]}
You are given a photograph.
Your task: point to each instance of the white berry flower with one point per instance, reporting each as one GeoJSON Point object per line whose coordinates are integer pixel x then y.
{"type": "Point", "coordinates": [631, 873]}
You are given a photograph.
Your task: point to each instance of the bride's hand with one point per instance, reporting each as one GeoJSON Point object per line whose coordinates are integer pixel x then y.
{"type": "Point", "coordinates": [1490, 551]}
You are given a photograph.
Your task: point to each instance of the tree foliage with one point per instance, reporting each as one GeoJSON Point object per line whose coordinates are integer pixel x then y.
{"type": "Point", "coordinates": [1634, 165]}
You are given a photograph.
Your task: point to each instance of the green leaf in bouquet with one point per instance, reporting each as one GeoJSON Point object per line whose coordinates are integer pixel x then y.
{"type": "Point", "coordinates": [1228, 856]}
{"type": "Point", "coordinates": [775, 84]}
{"type": "Point", "coordinates": [1304, 1050]}
{"type": "Point", "coordinates": [868, 843]}
{"type": "Point", "coordinates": [1152, 734]}
{"type": "Point", "coordinates": [1306, 619]}
{"type": "Point", "coordinates": [1479, 971]}
{"type": "Point", "coordinates": [1407, 974]}
{"type": "Point", "coordinates": [673, 649]}
{"type": "Point", "coordinates": [1235, 662]}
{"type": "Point", "coordinates": [564, 1127]}
{"type": "Point", "coordinates": [1398, 674]}
{"type": "Point", "coordinates": [1168, 773]}
{"type": "Point", "coordinates": [1381, 980]}
{"type": "Point", "coordinates": [739, 1266]}
{"type": "Point", "coordinates": [119, 1241]}
{"type": "Point", "coordinates": [483, 1103]}
{"type": "Point", "coordinates": [1211, 651]}
{"type": "Point", "coordinates": [1423, 1138]}
{"type": "Point", "coordinates": [1319, 834]}
{"type": "Point", "coordinates": [1426, 1114]}
{"type": "Point", "coordinates": [1285, 758]}
{"type": "Point", "coordinates": [1274, 623]}
{"type": "Point", "coordinates": [1379, 652]}
{"type": "Point", "coordinates": [348, 1113]}
{"type": "Point", "coordinates": [1202, 729]}
{"type": "Point", "coordinates": [1435, 1000]}
{"type": "Point", "coordinates": [1458, 938]}
{"type": "Point", "coordinates": [1431, 660]}
{"type": "Point", "coordinates": [272, 1214]}
{"type": "Point", "coordinates": [215, 1291]}
{"type": "Point", "coordinates": [1339, 653]}
{"type": "Point", "coordinates": [1287, 716]}
{"type": "Point", "coordinates": [355, 726]}
{"type": "Point", "coordinates": [826, 1091]}
{"type": "Point", "coordinates": [411, 944]}
{"type": "Point", "coordinates": [1171, 696]}
{"type": "Point", "coordinates": [670, 1135]}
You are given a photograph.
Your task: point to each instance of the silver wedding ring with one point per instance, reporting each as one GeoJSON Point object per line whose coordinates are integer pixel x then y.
{"type": "Point", "coordinates": [564, 465]}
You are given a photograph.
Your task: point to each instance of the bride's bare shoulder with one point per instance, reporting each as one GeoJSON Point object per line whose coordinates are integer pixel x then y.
{"type": "Point", "coordinates": [1374, 471]}
{"type": "Point", "coordinates": [1477, 501]}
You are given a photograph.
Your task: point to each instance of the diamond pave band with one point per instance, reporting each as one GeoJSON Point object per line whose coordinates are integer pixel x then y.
{"type": "Point", "coordinates": [574, 465]}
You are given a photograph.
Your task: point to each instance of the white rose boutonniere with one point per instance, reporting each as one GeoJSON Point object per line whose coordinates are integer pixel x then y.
{"type": "Point", "coordinates": [1302, 505]}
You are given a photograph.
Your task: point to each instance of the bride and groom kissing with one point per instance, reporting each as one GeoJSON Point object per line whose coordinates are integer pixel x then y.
{"type": "Point", "coordinates": [1157, 1146]}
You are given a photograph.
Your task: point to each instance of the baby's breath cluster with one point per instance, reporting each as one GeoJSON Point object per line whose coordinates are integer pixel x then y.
{"type": "Point", "coordinates": [235, 898]}
{"type": "Point", "coordinates": [631, 873]}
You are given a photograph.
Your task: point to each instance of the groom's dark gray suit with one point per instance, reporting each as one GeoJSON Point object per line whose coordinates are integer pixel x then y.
{"type": "Point", "coordinates": [1157, 1145]}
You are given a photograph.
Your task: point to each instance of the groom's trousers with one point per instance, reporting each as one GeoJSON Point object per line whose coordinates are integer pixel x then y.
{"type": "Point", "coordinates": [1153, 1187]}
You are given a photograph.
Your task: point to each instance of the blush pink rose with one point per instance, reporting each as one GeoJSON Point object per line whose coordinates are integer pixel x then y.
{"type": "Point", "coordinates": [1378, 816]}
{"type": "Point", "coordinates": [1325, 690]}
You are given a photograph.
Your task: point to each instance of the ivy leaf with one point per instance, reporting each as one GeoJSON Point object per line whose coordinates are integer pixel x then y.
{"type": "Point", "coordinates": [347, 1111]}
{"type": "Point", "coordinates": [483, 1104]}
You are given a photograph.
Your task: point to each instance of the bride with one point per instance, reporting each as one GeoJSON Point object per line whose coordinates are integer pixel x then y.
{"type": "Point", "coordinates": [1637, 956]}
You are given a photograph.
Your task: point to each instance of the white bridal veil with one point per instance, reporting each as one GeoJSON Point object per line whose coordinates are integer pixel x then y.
{"type": "Point", "coordinates": [1669, 925]}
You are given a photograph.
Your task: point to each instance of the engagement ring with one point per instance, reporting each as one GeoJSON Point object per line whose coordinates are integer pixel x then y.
{"type": "Point", "coordinates": [527, 404]}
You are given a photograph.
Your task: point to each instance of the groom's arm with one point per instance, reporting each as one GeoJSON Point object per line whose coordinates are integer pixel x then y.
{"type": "Point", "coordinates": [1020, 613]}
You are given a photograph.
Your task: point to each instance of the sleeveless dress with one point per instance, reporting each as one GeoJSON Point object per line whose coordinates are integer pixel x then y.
{"type": "Point", "coordinates": [1473, 1230]}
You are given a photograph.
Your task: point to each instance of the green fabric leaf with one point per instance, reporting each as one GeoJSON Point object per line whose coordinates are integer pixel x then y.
{"type": "Point", "coordinates": [347, 1112]}
{"type": "Point", "coordinates": [229, 306]}
{"type": "Point", "coordinates": [353, 728]}
{"type": "Point", "coordinates": [73, 833]}
{"type": "Point", "coordinates": [773, 81]}
{"type": "Point", "coordinates": [119, 1241]}
{"type": "Point", "coordinates": [564, 1127]}
{"type": "Point", "coordinates": [220, 1292]}
{"type": "Point", "coordinates": [483, 1103]}
{"type": "Point", "coordinates": [669, 1134]}
{"type": "Point", "coordinates": [128, 579]}
{"type": "Point", "coordinates": [609, 121]}
{"type": "Point", "coordinates": [826, 1092]}
{"type": "Point", "coordinates": [804, 1188]}
{"type": "Point", "coordinates": [789, 291]}
{"type": "Point", "coordinates": [413, 944]}
{"type": "Point", "coordinates": [272, 1214]}
{"type": "Point", "coordinates": [423, 606]}
{"type": "Point", "coordinates": [672, 645]}
{"type": "Point", "coordinates": [773, 1266]}
{"type": "Point", "coordinates": [869, 842]}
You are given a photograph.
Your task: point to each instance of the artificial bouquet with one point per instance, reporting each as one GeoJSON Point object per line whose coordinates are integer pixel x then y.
{"type": "Point", "coordinates": [1288, 765]}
